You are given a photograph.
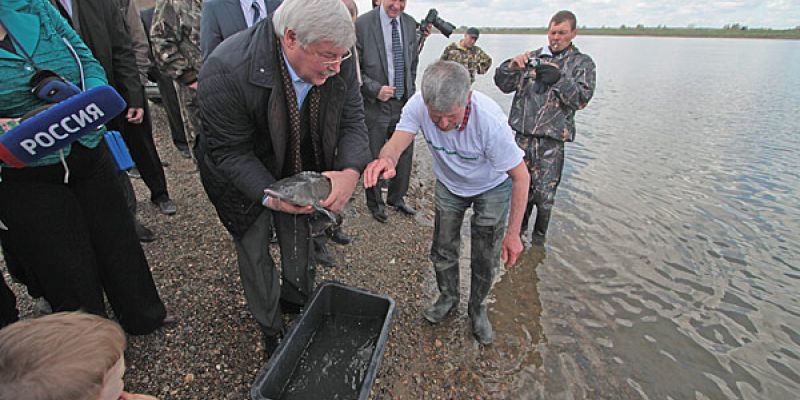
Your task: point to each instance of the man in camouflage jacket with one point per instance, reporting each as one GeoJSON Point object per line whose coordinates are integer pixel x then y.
{"type": "Point", "coordinates": [466, 53]}
{"type": "Point", "coordinates": [550, 85]}
{"type": "Point", "coordinates": [175, 37]}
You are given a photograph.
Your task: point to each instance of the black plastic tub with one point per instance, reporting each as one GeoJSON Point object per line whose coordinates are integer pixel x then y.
{"type": "Point", "coordinates": [333, 351]}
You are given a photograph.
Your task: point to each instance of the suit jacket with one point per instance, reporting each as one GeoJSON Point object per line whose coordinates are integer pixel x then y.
{"type": "Point", "coordinates": [102, 26]}
{"type": "Point", "coordinates": [221, 19]}
{"type": "Point", "coordinates": [372, 56]}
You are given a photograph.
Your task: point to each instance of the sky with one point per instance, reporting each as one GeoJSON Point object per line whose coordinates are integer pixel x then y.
{"type": "Point", "coordinates": [775, 14]}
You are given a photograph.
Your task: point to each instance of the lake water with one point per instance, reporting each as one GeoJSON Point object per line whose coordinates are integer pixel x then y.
{"type": "Point", "coordinates": [672, 265]}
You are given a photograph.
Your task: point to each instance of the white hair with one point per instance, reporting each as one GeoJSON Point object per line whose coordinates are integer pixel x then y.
{"type": "Point", "coordinates": [316, 20]}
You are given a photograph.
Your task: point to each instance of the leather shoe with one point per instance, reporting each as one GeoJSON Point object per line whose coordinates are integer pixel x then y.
{"type": "Point", "coordinates": [338, 236]}
{"type": "Point", "coordinates": [184, 152]}
{"type": "Point", "coordinates": [290, 308]}
{"type": "Point", "coordinates": [379, 214]}
{"type": "Point", "coordinates": [404, 208]}
{"type": "Point", "coordinates": [144, 234]}
{"type": "Point", "coordinates": [324, 257]}
{"type": "Point", "coordinates": [134, 173]}
{"type": "Point", "coordinates": [166, 206]}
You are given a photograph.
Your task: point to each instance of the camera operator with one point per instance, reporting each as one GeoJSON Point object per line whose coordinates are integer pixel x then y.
{"type": "Point", "coordinates": [550, 85]}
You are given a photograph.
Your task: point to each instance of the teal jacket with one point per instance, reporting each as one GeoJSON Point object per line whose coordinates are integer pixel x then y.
{"type": "Point", "coordinates": [40, 29]}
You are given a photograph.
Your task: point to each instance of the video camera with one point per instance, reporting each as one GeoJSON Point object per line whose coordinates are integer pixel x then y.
{"type": "Point", "coordinates": [443, 26]}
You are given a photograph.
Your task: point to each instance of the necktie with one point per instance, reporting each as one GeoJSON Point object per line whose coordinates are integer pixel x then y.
{"type": "Point", "coordinates": [399, 62]}
{"type": "Point", "coordinates": [256, 12]}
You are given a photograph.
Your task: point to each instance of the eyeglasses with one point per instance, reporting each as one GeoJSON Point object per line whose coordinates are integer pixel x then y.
{"type": "Point", "coordinates": [334, 60]}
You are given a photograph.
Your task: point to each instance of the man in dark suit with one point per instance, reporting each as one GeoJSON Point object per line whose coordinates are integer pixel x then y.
{"type": "Point", "coordinates": [223, 18]}
{"type": "Point", "coordinates": [387, 43]}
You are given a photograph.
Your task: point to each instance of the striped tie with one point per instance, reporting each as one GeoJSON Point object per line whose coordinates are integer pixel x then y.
{"type": "Point", "coordinates": [399, 62]}
{"type": "Point", "coordinates": [256, 12]}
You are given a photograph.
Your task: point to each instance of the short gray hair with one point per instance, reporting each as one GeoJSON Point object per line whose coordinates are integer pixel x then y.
{"type": "Point", "coordinates": [316, 20]}
{"type": "Point", "coordinates": [352, 7]}
{"type": "Point", "coordinates": [445, 84]}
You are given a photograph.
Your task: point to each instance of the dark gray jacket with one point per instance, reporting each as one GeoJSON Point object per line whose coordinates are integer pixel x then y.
{"type": "Point", "coordinates": [551, 113]}
{"type": "Point", "coordinates": [242, 146]}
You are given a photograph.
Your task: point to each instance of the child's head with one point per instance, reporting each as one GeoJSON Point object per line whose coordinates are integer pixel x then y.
{"type": "Point", "coordinates": [69, 356]}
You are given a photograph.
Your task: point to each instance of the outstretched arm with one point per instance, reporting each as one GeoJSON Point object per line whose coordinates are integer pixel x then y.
{"type": "Point", "coordinates": [512, 244]}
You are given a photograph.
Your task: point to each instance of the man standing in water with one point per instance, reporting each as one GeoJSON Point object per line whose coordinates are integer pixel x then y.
{"type": "Point", "coordinates": [550, 85]}
{"type": "Point", "coordinates": [476, 164]}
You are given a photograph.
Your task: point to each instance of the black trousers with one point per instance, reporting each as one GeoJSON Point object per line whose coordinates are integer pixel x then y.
{"type": "Point", "coordinates": [77, 240]}
{"type": "Point", "coordinates": [169, 98]}
{"type": "Point", "coordinates": [8, 304]}
{"type": "Point", "coordinates": [139, 139]}
{"type": "Point", "coordinates": [381, 119]}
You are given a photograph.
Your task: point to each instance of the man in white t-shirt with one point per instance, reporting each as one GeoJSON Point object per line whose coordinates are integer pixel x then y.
{"type": "Point", "coordinates": [477, 164]}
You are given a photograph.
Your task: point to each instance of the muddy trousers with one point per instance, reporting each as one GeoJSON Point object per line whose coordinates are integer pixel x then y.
{"type": "Point", "coordinates": [544, 158]}
{"type": "Point", "coordinates": [264, 286]}
{"type": "Point", "coordinates": [487, 229]}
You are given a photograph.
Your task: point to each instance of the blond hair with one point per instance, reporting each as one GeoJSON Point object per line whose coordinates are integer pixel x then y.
{"type": "Point", "coordinates": [63, 356]}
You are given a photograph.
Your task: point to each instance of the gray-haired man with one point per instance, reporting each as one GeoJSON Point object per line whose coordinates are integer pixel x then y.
{"type": "Point", "coordinates": [275, 100]}
{"type": "Point", "coordinates": [477, 164]}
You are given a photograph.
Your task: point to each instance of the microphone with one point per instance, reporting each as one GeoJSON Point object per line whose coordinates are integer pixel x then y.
{"type": "Point", "coordinates": [60, 125]}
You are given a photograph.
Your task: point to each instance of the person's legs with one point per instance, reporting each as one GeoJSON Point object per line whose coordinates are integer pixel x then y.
{"type": "Point", "coordinates": [377, 120]}
{"type": "Point", "coordinates": [449, 215]}
{"type": "Point", "coordinates": [190, 114]}
{"type": "Point", "coordinates": [488, 227]}
{"type": "Point", "coordinates": [547, 167]}
{"type": "Point", "coordinates": [121, 263]}
{"type": "Point", "coordinates": [169, 98]}
{"type": "Point", "coordinates": [398, 187]}
{"type": "Point", "coordinates": [48, 236]}
{"type": "Point", "coordinates": [8, 305]}
{"type": "Point", "coordinates": [259, 276]}
{"type": "Point", "coordinates": [139, 138]}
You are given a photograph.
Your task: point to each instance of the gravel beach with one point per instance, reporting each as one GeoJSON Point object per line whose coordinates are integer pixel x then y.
{"type": "Point", "coordinates": [215, 350]}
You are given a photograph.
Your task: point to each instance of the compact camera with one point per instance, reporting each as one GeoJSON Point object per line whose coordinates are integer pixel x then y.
{"type": "Point", "coordinates": [443, 26]}
{"type": "Point", "coordinates": [52, 87]}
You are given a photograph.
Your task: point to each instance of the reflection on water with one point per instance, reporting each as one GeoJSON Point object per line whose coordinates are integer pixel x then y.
{"type": "Point", "coordinates": [671, 267]}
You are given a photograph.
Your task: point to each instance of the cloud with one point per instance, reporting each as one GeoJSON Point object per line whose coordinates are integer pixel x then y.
{"type": "Point", "coordinates": [779, 14]}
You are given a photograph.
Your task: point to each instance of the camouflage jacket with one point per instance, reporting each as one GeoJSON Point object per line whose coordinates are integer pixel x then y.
{"type": "Point", "coordinates": [552, 112]}
{"type": "Point", "coordinates": [474, 59]}
{"type": "Point", "coordinates": [175, 36]}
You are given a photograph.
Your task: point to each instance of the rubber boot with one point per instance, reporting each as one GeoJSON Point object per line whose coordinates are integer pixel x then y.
{"type": "Point", "coordinates": [482, 274]}
{"type": "Point", "coordinates": [447, 280]}
{"type": "Point", "coordinates": [540, 227]}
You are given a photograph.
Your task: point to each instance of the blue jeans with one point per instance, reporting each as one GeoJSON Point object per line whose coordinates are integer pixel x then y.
{"type": "Point", "coordinates": [487, 229]}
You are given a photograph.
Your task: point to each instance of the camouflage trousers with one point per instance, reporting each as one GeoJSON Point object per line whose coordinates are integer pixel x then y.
{"type": "Point", "coordinates": [190, 113]}
{"type": "Point", "coordinates": [544, 158]}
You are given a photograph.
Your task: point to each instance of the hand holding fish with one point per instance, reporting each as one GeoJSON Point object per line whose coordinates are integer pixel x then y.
{"type": "Point", "coordinates": [342, 185]}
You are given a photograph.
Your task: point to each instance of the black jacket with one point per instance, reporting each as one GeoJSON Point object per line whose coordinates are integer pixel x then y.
{"type": "Point", "coordinates": [242, 147]}
{"type": "Point", "coordinates": [102, 27]}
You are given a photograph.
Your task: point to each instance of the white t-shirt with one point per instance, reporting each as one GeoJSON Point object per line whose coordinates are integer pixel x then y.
{"type": "Point", "coordinates": [471, 162]}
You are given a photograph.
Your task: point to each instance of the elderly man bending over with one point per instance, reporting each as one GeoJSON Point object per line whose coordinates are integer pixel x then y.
{"type": "Point", "coordinates": [477, 164]}
{"type": "Point", "coordinates": [280, 98]}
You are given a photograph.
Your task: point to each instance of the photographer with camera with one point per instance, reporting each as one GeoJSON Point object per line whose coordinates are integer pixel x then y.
{"type": "Point", "coordinates": [550, 85]}
{"type": "Point", "coordinates": [387, 52]}
{"type": "Point", "coordinates": [466, 53]}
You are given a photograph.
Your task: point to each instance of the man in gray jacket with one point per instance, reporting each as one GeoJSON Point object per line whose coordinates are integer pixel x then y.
{"type": "Point", "coordinates": [550, 85]}
{"type": "Point", "coordinates": [275, 100]}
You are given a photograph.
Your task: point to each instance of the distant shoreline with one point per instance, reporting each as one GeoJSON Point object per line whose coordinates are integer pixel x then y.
{"type": "Point", "coordinates": [788, 34]}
